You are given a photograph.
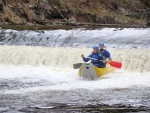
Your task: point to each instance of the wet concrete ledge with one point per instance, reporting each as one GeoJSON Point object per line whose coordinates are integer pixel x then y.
{"type": "Point", "coordinates": [68, 26]}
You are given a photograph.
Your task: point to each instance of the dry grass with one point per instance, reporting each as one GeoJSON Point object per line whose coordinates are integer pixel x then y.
{"type": "Point", "coordinates": [29, 14]}
{"type": "Point", "coordinates": [11, 17]}
{"type": "Point", "coordinates": [81, 10]}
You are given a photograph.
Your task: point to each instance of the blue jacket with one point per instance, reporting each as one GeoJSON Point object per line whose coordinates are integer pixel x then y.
{"type": "Point", "coordinates": [105, 53]}
{"type": "Point", "coordinates": [97, 63]}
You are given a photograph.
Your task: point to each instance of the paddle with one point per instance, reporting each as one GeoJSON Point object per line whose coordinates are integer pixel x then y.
{"type": "Point", "coordinates": [76, 66]}
{"type": "Point", "coordinates": [115, 64]}
{"type": "Point", "coordinates": [112, 63]}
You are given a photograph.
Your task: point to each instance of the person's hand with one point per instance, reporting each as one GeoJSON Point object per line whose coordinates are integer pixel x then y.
{"type": "Point", "coordinates": [110, 59]}
{"type": "Point", "coordinates": [104, 61]}
{"type": "Point", "coordinates": [82, 55]}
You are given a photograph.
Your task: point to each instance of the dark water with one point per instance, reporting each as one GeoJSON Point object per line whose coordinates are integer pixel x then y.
{"type": "Point", "coordinates": [50, 27]}
{"type": "Point", "coordinates": [34, 27]}
{"type": "Point", "coordinates": [65, 27]}
{"type": "Point", "coordinates": [125, 100]}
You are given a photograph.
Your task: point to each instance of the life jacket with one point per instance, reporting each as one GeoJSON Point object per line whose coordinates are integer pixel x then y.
{"type": "Point", "coordinates": [95, 56]}
{"type": "Point", "coordinates": [103, 53]}
{"type": "Point", "coordinates": [97, 63]}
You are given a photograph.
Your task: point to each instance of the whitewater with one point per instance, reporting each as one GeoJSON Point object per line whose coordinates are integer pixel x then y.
{"type": "Point", "coordinates": [36, 69]}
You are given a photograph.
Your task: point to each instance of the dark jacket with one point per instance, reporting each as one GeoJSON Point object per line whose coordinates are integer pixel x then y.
{"type": "Point", "coordinates": [96, 59]}
{"type": "Point", "coordinates": [105, 53]}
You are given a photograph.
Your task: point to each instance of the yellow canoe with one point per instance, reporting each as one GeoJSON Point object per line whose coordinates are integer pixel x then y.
{"type": "Point", "coordinates": [89, 70]}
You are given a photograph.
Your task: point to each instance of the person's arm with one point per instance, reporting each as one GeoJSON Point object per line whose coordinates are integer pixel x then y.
{"type": "Point", "coordinates": [108, 55]}
{"type": "Point", "coordinates": [102, 58]}
{"type": "Point", "coordinates": [86, 59]}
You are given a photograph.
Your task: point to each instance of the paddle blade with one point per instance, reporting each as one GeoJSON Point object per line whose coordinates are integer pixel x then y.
{"type": "Point", "coordinates": [76, 66]}
{"type": "Point", "coordinates": [115, 64]}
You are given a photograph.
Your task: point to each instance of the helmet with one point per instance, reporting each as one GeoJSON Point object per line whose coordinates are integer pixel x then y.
{"type": "Point", "coordinates": [95, 47]}
{"type": "Point", "coordinates": [101, 44]}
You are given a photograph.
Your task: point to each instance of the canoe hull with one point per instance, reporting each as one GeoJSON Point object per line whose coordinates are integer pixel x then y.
{"type": "Point", "coordinates": [91, 71]}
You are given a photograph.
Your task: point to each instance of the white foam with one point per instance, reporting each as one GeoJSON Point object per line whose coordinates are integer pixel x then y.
{"type": "Point", "coordinates": [132, 59]}
{"type": "Point", "coordinates": [68, 79]}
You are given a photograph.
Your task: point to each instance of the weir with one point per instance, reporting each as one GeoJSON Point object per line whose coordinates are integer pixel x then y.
{"type": "Point", "coordinates": [112, 37]}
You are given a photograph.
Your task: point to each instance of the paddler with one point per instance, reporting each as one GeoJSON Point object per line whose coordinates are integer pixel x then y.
{"type": "Point", "coordinates": [96, 58]}
{"type": "Point", "coordinates": [104, 52]}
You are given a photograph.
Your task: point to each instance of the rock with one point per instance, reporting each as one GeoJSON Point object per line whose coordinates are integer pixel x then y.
{"type": "Point", "coordinates": [72, 20]}
{"type": "Point", "coordinates": [30, 24]}
{"type": "Point", "coordinates": [123, 11]}
{"type": "Point", "coordinates": [114, 6]}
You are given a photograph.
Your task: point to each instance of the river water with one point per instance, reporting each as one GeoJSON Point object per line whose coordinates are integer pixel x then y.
{"type": "Point", "coordinates": [36, 73]}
